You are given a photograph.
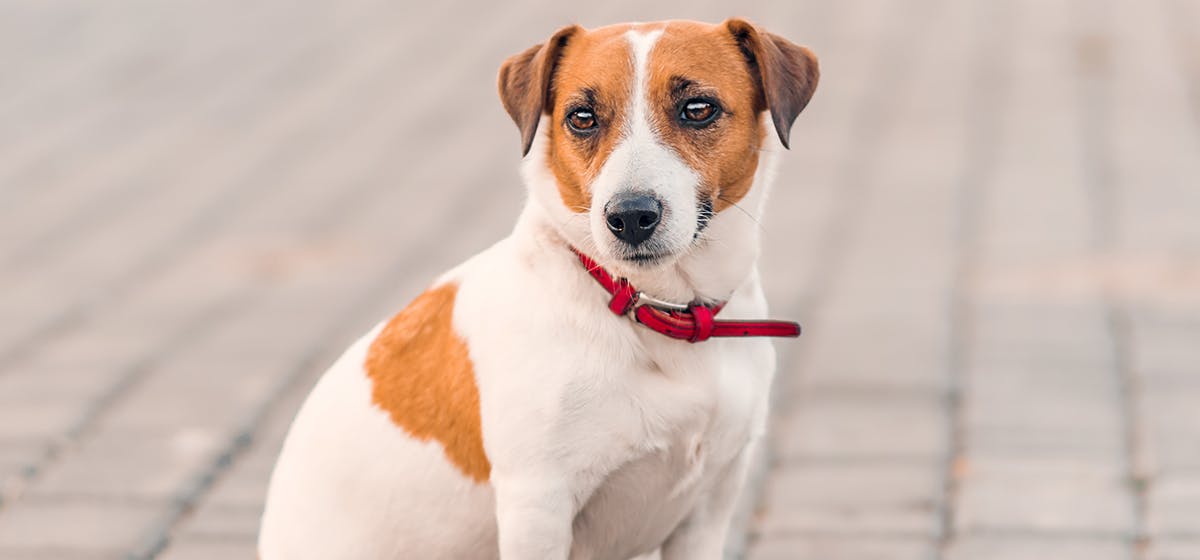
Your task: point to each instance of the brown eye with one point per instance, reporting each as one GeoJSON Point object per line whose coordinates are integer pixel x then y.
{"type": "Point", "coordinates": [581, 120]}
{"type": "Point", "coordinates": [698, 112]}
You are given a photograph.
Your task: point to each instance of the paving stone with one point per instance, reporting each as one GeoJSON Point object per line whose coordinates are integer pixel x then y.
{"type": "Point", "coordinates": [1043, 412]}
{"type": "Point", "coordinates": [201, 396]}
{"type": "Point", "coordinates": [121, 466]}
{"type": "Point", "coordinates": [1172, 549]}
{"type": "Point", "coordinates": [1171, 429]}
{"type": "Point", "coordinates": [75, 524]}
{"type": "Point", "coordinates": [1154, 153]}
{"type": "Point", "coordinates": [33, 381]}
{"type": "Point", "coordinates": [92, 351]}
{"type": "Point", "coordinates": [209, 549]}
{"type": "Point", "coordinates": [880, 353]}
{"type": "Point", "coordinates": [246, 486]}
{"type": "Point", "coordinates": [45, 419]}
{"type": "Point", "coordinates": [58, 554]}
{"type": "Point", "coordinates": [17, 459]}
{"type": "Point", "coordinates": [839, 548]}
{"type": "Point", "coordinates": [852, 498]}
{"type": "Point", "coordinates": [1165, 351]}
{"type": "Point", "coordinates": [1021, 494]}
{"type": "Point", "coordinates": [1072, 337]}
{"type": "Point", "coordinates": [1173, 501]}
{"type": "Point", "coordinates": [873, 426]}
{"type": "Point", "coordinates": [224, 523]}
{"type": "Point", "coordinates": [1019, 547]}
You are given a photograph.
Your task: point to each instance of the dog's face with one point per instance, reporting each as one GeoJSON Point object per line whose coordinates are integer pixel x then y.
{"type": "Point", "coordinates": [652, 130]}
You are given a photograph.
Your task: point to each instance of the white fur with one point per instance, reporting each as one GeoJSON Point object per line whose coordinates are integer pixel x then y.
{"type": "Point", "coordinates": [606, 440]}
{"type": "Point", "coordinates": [641, 163]}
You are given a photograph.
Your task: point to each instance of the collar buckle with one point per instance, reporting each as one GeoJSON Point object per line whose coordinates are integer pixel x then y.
{"type": "Point", "coordinates": [640, 299]}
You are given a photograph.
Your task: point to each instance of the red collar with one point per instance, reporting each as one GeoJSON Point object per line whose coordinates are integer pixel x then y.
{"type": "Point", "coordinates": [694, 322]}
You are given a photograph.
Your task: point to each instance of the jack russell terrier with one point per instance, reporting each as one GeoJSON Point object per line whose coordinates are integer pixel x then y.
{"type": "Point", "coordinates": [569, 393]}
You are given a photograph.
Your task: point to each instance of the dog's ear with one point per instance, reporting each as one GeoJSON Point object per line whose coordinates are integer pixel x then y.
{"type": "Point", "coordinates": [787, 73]}
{"type": "Point", "coordinates": [526, 80]}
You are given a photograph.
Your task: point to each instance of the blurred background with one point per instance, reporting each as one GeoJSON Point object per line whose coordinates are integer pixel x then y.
{"type": "Point", "coordinates": [989, 224]}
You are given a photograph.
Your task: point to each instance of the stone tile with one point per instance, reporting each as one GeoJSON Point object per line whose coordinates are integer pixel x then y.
{"type": "Point", "coordinates": [1043, 496]}
{"type": "Point", "coordinates": [52, 553]}
{"type": "Point", "coordinates": [1165, 351]}
{"type": "Point", "coordinates": [140, 466]}
{"type": "Point", "coordinates": [198, 395]}
{"type": "Point", "coordinates": [1021, 547]}
{"type": "Point", "coordinates": [1173, 504]}
{"type": "Point", "coordinates": [1174, 549]}
{"type": "Point", "coordinates": [1043, 412]}
{"type": "Point", "coordinates": [1067, 338]}
{"type": "Point", "coordinates": [42, 419]}
{"type": "Point", "coordinates": [17, 459]}
{"type": "Point", "coordinates": [89, 351]}
{"type": "Point", "coordinates": [801, 547]}
{"type": "Point", "coordinates": [832, 425]}
{"type": "Point", "coordinates": [878, 353]}
{"type": "Point", "coordinates": [76, 524]}
{"type": "Point", "coordinates": [245, 486]}
{"type": "Point", "coordinates": [223, 523]}
{"type": "Point", "coordinates": [31, 381]}
{"type": "Point", "coordinates": [209, 549]}
{"type": "Point", "coordinates": [1170, 426]}
{"type": "Point", "coordinates": [851, 498]}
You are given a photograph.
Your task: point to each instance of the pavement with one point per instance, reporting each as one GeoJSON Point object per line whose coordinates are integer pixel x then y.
{"type": "Point", "coordinates": [989, 224]}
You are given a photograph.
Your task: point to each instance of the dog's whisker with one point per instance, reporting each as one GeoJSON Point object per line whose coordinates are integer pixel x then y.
{"type": "Point", "coordinates": [742, 210]}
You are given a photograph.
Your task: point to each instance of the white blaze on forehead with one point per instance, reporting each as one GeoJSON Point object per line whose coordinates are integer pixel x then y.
{"type": "Point", "coordinates": [641, 162]}
{"type": "Point", "coordinates": [641, 44]}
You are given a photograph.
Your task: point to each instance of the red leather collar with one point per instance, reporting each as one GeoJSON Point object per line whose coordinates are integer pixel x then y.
{"type": "Point", "coordinates": [694, 322]}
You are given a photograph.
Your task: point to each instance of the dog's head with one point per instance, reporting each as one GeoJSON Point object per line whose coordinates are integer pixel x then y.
{"type": "Point", "coordinates": [650, 131]}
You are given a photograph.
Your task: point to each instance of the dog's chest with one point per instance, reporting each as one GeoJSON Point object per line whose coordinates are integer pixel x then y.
{"type": "Point", "coordinates": [690, 430]}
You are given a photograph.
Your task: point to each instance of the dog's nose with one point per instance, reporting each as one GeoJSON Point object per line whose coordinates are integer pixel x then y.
{"type": "Point", "coordinates": [633, 217]}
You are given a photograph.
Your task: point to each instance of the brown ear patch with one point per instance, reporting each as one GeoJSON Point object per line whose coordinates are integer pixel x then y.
{"type": "Point", "coordinates": [423, 378]}
{"type": "Point", "coordinates": [788, 73]}
{"type": "Point", "coordinates": [525, 83]}
{"type": "Point", "coordinates": [694, 60]}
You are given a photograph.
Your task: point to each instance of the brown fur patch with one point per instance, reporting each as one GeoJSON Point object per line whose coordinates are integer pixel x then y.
{"type": "Point", "coordinates": [596, 70]}
{"type": "Point", "coordinates": [695, 60]}
{"type": "Point", "coordinates": [524, 83]}
{"type": "Point", "coordinates": [423, 378]}
{"type": "Point", "coordinates": [786, 73]}
{"type": "Point", "coordinates": [746, 70]}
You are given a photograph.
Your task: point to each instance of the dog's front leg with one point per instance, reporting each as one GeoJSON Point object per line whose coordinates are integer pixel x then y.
{"type": "Point", "coordinates": [533, 515]}
{"type": "Point", "coordinates": [702, 534]}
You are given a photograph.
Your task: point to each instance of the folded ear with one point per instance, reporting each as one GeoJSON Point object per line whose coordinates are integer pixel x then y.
{"type": "Point", "coordinates": [787, 73]}
{"type": "Point", "coordinates": [525, 83]}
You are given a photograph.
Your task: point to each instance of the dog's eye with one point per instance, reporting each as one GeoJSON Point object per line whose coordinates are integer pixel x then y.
{"type": "Point", "coordinates": [698, 112]}
{"type": "Point", "coordinates": [582, 120]}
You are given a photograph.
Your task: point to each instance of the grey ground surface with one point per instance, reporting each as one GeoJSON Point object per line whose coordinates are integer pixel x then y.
{"type": "Point", "coordinates": [989, 224]}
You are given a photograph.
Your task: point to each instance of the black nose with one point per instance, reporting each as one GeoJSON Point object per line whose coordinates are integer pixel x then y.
{"type": "Point", "coordinates": [633, 217]}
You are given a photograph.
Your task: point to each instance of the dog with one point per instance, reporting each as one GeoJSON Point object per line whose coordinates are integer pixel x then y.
{"type": "Point", "coordinates": [569, 393]}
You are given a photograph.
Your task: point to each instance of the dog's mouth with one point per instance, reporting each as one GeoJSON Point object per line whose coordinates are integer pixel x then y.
{"type": "Point", "coordinates": [654, 253]}
{"type": "Point", "coordinates": [646, 259]}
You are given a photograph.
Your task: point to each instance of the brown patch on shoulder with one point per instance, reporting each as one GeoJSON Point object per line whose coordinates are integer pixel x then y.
{"type": "Point", "coordinates": [422, 377]}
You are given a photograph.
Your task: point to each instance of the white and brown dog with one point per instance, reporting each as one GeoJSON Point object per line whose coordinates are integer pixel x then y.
{"type": "Point", "coordinates": [533, 404]}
